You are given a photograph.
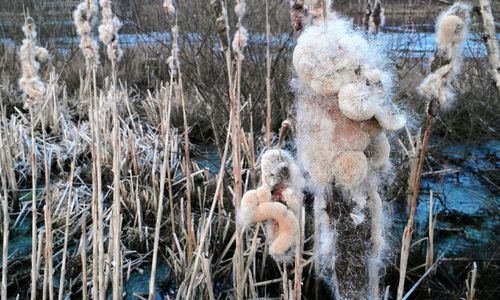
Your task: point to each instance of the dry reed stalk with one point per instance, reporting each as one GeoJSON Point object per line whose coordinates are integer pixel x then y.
{"type": "Point", "coordinates": [96, 126]}
{"type": "Point", "coordinates": [116, 217]}
{"type": "Point", "coordinates": [49, 262]}
{"type": "Point", "coordinates": [95, 224]}
{"type": "Point", "coordinates": [5, 230]}
{"type": "Point", "coordinates": [490, 40]}
{"type": "Point", "coordinates": [235, 104]}
{"type": "Point", "coordinates": [34, 227]}
{"type": "Point", "coordinates": [298, 256]}
{"type": "Point", "coordinates": [429, 260]}
{"type": "Point", "coordinates": [66, 226]}
{"type": "Point", "coordinates": [471, 282]}
{"type": "Point", "coordinates": [163, 172]}
{"type": "Point", "coordinates": [416, 167]}
{"type": "Point", "coordinates": [268, 79]}
{"type": "Point", "coordinates": [83, 255]}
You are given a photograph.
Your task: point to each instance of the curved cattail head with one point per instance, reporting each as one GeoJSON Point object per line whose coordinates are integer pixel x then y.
{"type": "Point", "coordinates": [283, 226]}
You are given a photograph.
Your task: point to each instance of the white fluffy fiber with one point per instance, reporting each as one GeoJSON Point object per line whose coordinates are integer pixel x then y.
{"type": "Point", "coordinates": [31, 56]}
{"type": "Point", "coordinates": [335, 60]}
{"type": "Point", "coordinates": [83, 17]}
{"type": "Point", "coordinates": [108, 31]}
{"type": "Point", "coordinates": [451, 30]}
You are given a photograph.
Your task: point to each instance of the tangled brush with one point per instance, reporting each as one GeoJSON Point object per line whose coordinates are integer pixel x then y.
{"type": "Point", "coordinates": [451, 29]}
{"type": "Point", "coordinates": [31, 56]}
{"type": "Point", "coordinates": [83, 17]}
{"type": "Point", "coordinates": [108, 31]}
{"type": "Point", "coordinates": [343, 111]}
{"type": "Point", "coordinates": [277, 202]}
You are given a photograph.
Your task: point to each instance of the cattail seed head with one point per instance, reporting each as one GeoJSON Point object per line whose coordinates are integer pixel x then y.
{"type": "Point", "coordinates": [240, 40]}
{"type": "Point", "coordinates": [451, 29]}
{"type": "Point", "coordinates": [108, 31]}
{"type": "Point", "coordinates": [83, 18]}
{"type": "Point", "coordinates": [31, 55]}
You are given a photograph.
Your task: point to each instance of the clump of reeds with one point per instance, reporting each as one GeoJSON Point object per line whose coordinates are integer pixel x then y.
{"type": "Point", "coordinates": [31, 56]}
{"type": "Point", "coordinates": [83, 17]}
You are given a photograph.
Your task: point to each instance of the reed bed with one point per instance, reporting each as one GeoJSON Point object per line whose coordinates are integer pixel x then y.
{"type": "Point", "coordinates": [105, 194]}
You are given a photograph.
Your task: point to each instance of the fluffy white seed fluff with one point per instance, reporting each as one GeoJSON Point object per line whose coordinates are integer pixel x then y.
{"type": "Point", "coordinates": [240, 8]}
{"type": "Point", "coordinates": [31, 55]}
{"type": "Point", "coordinates": [240, 40]}
{"type": "Point", "coordinates": [108, 31]}
{"type": "Point", "coordinates": [451, 30]}
{"type": "Point", "coordinates": [335, 60]}
{"type": "Point", "coordinates": [83, 18]}
{"type": "Point", "coordinates": [169, 7]}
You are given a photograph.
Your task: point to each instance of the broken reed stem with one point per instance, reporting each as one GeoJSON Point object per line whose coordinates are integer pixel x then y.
{"type": "Point", "coordinates": [66, 227]}
{"type": "Point", "coordinates": [116, 219]}
{"type": "Point", "coordinates": [471, 282]}
{"type": "Point", "coordinates": [414, 191]}
{"type": "Point", "coordinates": [268, 79]}
{"type": "Point", "coordinates": [49, 263]}
{"type": "Point", "coordinates": [34, 228]}
{"type": "Point", "coordinates": [163, 172]}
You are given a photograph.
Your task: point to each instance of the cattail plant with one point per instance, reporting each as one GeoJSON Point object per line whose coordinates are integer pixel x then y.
{"type": "Point", "coordinates": [436, 89]}
{"type": "Point", "coordinates": [343, 110]}
{"type": "Point", "coordinates": [278, 202]}
{"type": "Point", "coordinates": [30, 83]}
